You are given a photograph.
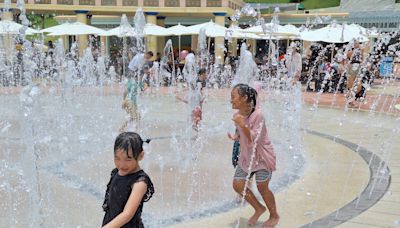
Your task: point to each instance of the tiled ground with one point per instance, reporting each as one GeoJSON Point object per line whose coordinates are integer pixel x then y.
{"type": "Point", "coordinates": [333, 171]}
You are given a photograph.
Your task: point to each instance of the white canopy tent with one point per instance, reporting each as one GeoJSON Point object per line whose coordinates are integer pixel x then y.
{"type": "Point", "coordinates": [337, 33]}
{"type": "Point", "coordinates": [272, 30]}
{"type": "Point", "coordinates": [123, 30]}
{"type": "Point", "coordinates": [76, 28]}
{"type": "Point", "coordinates": [11, 27]}
{"type": "Point", "coordinates": [212, 29]}
{"type": "Point", "coordinates": [179, 30]}
{"type": "Point", "coordinates": [291, 28]}
{"type": "Point", "coordinates": [129, 31]}
{"type": "Point", "coordinates": [119, 31]}
{"type": "Point", "coordinates": [236, 32]}
{"type": "Point", "coordinates": [155, 30]}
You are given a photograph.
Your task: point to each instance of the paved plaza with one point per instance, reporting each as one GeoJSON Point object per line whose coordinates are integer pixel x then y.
{"type": "Point", "coordinates": [336, 167]}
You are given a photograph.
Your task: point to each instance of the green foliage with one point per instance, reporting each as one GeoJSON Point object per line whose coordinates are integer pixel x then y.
{"type": "Point", "coordinates": [41, 21]}
{"type": "Point", "coordinates": [316, 4]}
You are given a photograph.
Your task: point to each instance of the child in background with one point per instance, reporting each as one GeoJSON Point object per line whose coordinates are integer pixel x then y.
{"type": "Point", "coordinates": [196, 98]}
{"type": "Point", "coordinates": [129, 186]}
{"type": "Point", "coordinates": [130, 100]}
{"type": "Point", "coordinates": [254, 145]}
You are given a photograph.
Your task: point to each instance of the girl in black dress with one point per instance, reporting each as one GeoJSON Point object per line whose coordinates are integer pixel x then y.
{"type": "Point", "coordinates": [129, 186]}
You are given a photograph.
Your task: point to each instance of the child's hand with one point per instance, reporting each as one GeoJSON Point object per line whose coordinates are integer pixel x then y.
{"type": "Point", "coordinates": [239, 120]}
{"type": "Point", "coordinates": [234, 137]}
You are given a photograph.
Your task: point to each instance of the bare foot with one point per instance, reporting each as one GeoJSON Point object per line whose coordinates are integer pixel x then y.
{"type": "Point", "coordinates": [271, 222]}
{"type": "Point", "coordinates": [253, 220]}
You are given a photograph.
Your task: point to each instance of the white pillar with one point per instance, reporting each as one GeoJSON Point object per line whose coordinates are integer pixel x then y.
{"type": "Point", "coordinates": [81, 16]}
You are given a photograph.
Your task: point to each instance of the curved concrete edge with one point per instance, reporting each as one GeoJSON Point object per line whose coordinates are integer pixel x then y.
{"type": "Point", "coordinates": [378, 185]}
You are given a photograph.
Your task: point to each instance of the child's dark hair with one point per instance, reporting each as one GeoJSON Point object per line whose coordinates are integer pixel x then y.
{"type": "Point", "coordinates": [130, 140]}
{"type": "Point", "coordinates": [246, 90]}
{"type": "Point", "coordinates": [202, 71]}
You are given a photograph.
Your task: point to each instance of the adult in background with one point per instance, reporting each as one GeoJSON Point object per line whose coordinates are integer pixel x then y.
{"type": "Point", "coordinates": [293, 62]}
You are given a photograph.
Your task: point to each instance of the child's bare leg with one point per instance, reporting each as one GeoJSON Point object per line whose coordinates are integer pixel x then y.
{"type": "Point", "coordinates": [269, 200]}
{"type": "Point", "coordinates": [238, 186]}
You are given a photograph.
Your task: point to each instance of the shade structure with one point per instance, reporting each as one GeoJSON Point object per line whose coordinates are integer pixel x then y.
{"type": "Point", "coordinates": [179, 30]}
{"type": "Point", "coordinates": [120, 31]}
{"type": "Point", "coordinates": [155, 30]}
{"type": "Point", "coordinates": [11, 27]}
{"type": "Point", "coordinates": [236, 32]}
{"type": "Point", "coordinates": [212, 29]}
{"type": "Point", "coordinates": [76, 28]}
{"type": "Point", "coordinates": [123, 30]}
{"type": "Point", "coordinates": [291, 28]}
{"type": "Point", "coordinates": [336, 33]}
{"type": "Point", "coordinates": [271, 29]}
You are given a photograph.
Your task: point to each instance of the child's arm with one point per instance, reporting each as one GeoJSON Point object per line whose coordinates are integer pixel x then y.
{"type": "Point", "coordinates": [240, 122]}
{"type": "Point", "coordinates": [138, 191]}
{"type": "Point", "coordinates": [233, 137]}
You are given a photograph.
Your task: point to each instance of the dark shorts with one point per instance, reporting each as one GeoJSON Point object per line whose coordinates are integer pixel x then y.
{"type": "Point", "coordinates": [261, 175]}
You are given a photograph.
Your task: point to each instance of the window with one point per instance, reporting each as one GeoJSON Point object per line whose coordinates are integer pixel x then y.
{"type": "Point", "coordinates": [171, 3]}
{"type": "Point", "coordinates": [86, 2]}
{"type": "Point", "coordinates": [214, 3]}
{"type": "Point", "coordinates": [193, 3]}
{"type": "Point", "coordinates": [42, 1]}
{"type": "Point", "coordinates": [129, 2]}
{"type": "Point", "coordinates": [150, 2]}
{"type": "Point", "coordinates": [108, 2]}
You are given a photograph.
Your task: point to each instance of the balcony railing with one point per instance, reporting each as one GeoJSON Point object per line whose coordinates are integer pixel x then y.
{"type": "Point", "coordinates": [214, 3]}
{"type": "Point", "coordinates": [233, 4]}
{"type": "Point", "coordinates": [129, 2]}
{"type": "Point", "coordinates": [172, 3]}
{"type": "Point", "coordinates": [193, 3]}
{"type": "Point", "coordinates": [65, 2]}
{"type": "Point", "coordinates": [87, 2]}
{"type": "Point", "coordinates": [42, 1]}
{"type": "Point", "coordinates": [13, 1]}
{"type": "Point", "coordinates": [150, 3]}
{"type": "Point", "coordinates": [108, 2]}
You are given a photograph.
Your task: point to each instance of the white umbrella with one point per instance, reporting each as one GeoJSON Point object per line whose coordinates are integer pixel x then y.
{"type": "Point", "coordinates": [179, 30]}
{"type": "Point", "coordinates": [76, 28]}
{"type": "Point", "coordinates": [212, 29]}
{"type": "Point", "coordinates": [123, 30]}
{"type": "Point", "coordinates": [363, 31]}
{"type": "Point", "coordinates": [271, 29]}
{"type": "Point", "coordinates": [155, 30]}
{"type": "Point", "coordinates": [11, 27]}
{"type": "Point", "coordinates": [335, 33]}
{"type": "Point", "coordinates": [120, 31]}
{"type": "Point", "coordinates": [236, 32]}
{"type": "Point", "coordinates": [149, 30]}
{"type": "Point", "coordinates": [291, 28]}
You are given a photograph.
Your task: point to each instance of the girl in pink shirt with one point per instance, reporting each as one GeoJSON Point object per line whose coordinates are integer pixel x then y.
{"type": "Point", "coordinates": [257, 154]}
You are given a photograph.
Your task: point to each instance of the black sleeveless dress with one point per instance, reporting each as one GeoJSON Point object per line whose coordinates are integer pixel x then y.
{"type": "Point", "coordinates": [118, 191]}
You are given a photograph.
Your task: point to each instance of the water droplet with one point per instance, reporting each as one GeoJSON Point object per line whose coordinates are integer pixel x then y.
{"type": "Point", "coordinates": [308, 213]}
